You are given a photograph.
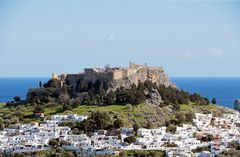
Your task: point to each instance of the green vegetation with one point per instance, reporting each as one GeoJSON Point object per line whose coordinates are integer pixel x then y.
{"type": "Point", "coordinates": [128, 114]}
{"type": "Point", "coordinates": [96, 121]}
{"type": "Point", "coordinates": [201, 149]}
{"type": "Point", "coordinates": [51, 153]}
{"type": "Point", "coordinates": [100, 94]}
{"type": "Point", "coordinates": [58, 151]}
{"type": "Point", "coordinates": [53, 142]}
{"type": "Point", "coordinates": [142, 153]}
{"type": "Point", "coordinates": [214, 101]}
{"type": "Point", "coordinates": [126, 105]}
{"type": "Point", "coordinates": [171, 145]}
{"type": "Point", "coordinates": [16, 98]}
{"type": "Point", "coordinates": [215, 109]}
{"type": "Point", "coordinates": [2, 104]}
{"type": "Point", "coordinates": [130, 139]}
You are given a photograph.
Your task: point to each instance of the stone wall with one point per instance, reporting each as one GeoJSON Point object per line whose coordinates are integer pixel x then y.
{"type": "Point", "coordinates": [118, 74]}
{"type": "Point", "coordinates": [117, 77]}
{"type": "Point", "coordinates": [154, 74]}
{"type": "Point", "coordinates": [92, 75]}
{"type": "Point", "coordinates": [73, 79]}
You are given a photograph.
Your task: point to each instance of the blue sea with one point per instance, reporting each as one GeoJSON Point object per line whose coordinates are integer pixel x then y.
{"type": "Point", "coordinates": [225, 90]}
{"type": "Point", "coordinates": [10, 87]}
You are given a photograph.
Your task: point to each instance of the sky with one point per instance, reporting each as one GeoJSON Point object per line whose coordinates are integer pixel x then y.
{"type": "Point", "coordinates": [188, 38]}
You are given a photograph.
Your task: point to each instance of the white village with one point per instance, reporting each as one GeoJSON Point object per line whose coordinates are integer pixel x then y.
{"type": "Point", "coordinates": [36, 137]}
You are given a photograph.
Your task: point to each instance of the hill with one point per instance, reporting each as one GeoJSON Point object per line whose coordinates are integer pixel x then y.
{"type": "Point", "coordinates": [146, 115]}
{"type": "Point", "coordinates": [145, 97]}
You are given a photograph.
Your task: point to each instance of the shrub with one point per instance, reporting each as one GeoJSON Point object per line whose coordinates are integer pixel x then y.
{"type": "Point", "coordinates": [17, 99]}
{"type": "Point", "coordinates": [118, 123]}
{"type": "Point", "coordinates": [130, 139]}
{"type": "Point", "coordinates": [53, 142]}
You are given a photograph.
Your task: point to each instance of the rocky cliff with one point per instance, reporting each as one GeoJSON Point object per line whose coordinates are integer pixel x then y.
{"type": "Point", "coordinates": [111, 78]}
{"type": "Point", "coordinates": [156, 75]}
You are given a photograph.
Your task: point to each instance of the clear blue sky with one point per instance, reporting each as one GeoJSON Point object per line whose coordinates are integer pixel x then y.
{"type": "Point", "coordinates": [188, 38]}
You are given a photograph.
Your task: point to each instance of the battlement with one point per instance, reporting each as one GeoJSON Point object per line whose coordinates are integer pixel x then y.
{"type": "Point", "coordinates": [113, 73]}
{"type": "Point", "coordinates": [132, 74]}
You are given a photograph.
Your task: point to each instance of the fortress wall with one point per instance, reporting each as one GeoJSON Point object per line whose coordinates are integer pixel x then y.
{"type": "Point", "coordinates": [154, 74]}
{"type": "Point", "coordinates": [117, 74]}
{"type": "Point", "coordinates": [156, 69]}
{"type": "Point", "coordinates": [105, 76]}
{"type": "Point", "coordinates": [73, 79]}
{"type": "Point", "coordinates": [135, 66]}
{"type": "Point", "coordinates": [140, 75]}
{"type": "Point", "coordinates": [89, 75]}
{"type": "Point", "coordinates": [129, 71]}
{"type": "Point", "coordinates": [124, 75]}
{"type": "Point", "coordinates": [92, 75]}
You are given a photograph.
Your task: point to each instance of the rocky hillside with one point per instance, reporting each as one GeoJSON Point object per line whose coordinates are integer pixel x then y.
{"type": "Point", "coordinates": [136, 99]}
{"type": "Point", "coordinates": [143, 75]}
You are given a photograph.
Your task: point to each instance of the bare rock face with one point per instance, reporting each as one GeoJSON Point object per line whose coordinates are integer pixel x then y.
{"type": "Point", "coordinates": [237, 105]}
{"type": "Point", "coordinates": [153, 74]}
{"type": "Point", "coordinates": [154, 98]}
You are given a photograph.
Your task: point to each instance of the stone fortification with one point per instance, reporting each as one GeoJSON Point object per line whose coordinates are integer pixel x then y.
{"type": "Point", "coordinates": [117, 77]}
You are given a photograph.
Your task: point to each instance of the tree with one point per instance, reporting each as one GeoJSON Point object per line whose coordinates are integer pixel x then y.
{"type": "Point", "coordinates": [189, 117]}
{"type": "Point", "coordinates": [121, 97]}
{"type": "Point", "coordinates": [38, 109]}
{"type": "Point", "coordinates": [207, 100]}
{"type": "Point", "coordinates": [130, 96]}
{"type": "Point", "coordinates": [133, 88]}
{"type": "Point", "coordinates": [118, 123]}
{"type": "Point", "coordinates": [172, 145]}
{"type": "Point", "coordinates": [53, 142]}
{"type": "Point", "coordinates": [149, 85]}
{"type": "Point", "coordinates": [140, 86]}
{"type": "Point", "coordinates": [101, 120]}
{"type": "Point", "coordinates": [99, 87]}
{"type": "Point", "coordinates": [180, 118]}
{"type": "Point", "coordinates": [207, 138]}
{"type": "Point", "coordinates": [176, 107]}
{"type": "Point", "coordinates": [110, 98]}
{"type": "Point", "coordinates": [129, 139]}
{"type": "Point", "coordinates": [40, 84]}
{"type": "Point", "coordinates": [75, 131]}
{"type": "Point", "coordinates": [171, 128]}
{"type": "Point", "coordinates": [139, 98]}
{"type": "Point", "coordinates": [214, 101]}
{"type": "Point", "coordinates": [17, 99]}
{"type": "Point", "coordinates": [149, 125]}
{"type": "Point", "coordinates": [136, 126]}
{"type": "Point", "coordinates": [64, 98]}
{"type": "Point", "coordinates": [87, 125]}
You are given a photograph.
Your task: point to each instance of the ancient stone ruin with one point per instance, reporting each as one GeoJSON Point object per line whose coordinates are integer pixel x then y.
{"type": "Point", "coordinates": [118, 76]}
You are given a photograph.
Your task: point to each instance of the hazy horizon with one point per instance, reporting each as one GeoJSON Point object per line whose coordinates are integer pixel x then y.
{"type": "Point", "coordinates": [187, 38]}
